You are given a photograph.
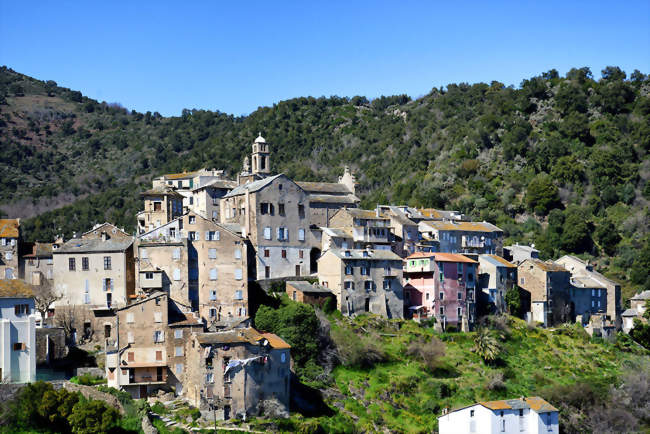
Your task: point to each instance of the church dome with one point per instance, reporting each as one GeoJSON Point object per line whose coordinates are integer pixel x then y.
{"type": "Point", "coordinates": [260, 139]}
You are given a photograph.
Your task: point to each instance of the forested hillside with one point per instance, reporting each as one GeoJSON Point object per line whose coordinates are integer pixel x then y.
{"type": "Point", "coordinates": [559, 161]}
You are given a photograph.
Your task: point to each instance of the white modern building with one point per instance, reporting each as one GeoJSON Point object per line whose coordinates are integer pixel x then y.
{"type": "Point", "coordinates": [522, 416]}
{"type": "Point", "coordinates": [17, 333]}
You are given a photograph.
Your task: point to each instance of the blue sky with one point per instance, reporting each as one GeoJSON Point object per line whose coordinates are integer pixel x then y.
{"type": "Point", "coordinates": [234, 57]}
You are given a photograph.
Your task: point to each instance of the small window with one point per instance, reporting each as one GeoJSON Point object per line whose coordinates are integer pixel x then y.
{"type": "Point", "coordinates": [267, 253]}
{"type": "Point", "coordinates": [460, 295]}
{"type": "Point", "coordinates": [179, 368]}
{"type": "Point", "coordinates": [143, 253]}
{"type": "Point", "coordinates": [148, 275]}
{"type": "Point", "coordinates": [157, 316]}
{"type": "Point", "coordinates": [129, 318]}
{"type": "Point", "coordinates": [368, 284]}
{"type": "Point", "coordinates": [176, 274]}
{"type": "Point", "coordinates": [386, 284]}
{"type": "Point", "coordinates": [178, 351]}
{"type": "Point", "coordinates": [281, 209]}
{"type": "Point", "coordinates": [213, 295]}
{"type": "Point", "coordinates": [284, 254]}
{"type": "Point", "coordinates": [301, 211]}
{"type": "Point", "coordinates": [239, 295]}
{"type": "Point", "coordinates": [158, 336]}
{"type": "Point", "coordinates": [301, 235]}
{"type": "Point", "coordinates": [267, 233]}
{"type": "Point", "coordinates": [84, 264]}
{"type": "Point", "coordinates": [107, 262]}
{"type": "Point", "coordinates": [178, 334]}
{"type": "Point", "coordinates": [442, 295]}
{"type": "Point", "coordinates": [71, 264]}
{"type": "Point", "coordinates": [348, 270]}
{"type": "Point", "coordinates": [159, 356]}
{"type": "Point", "coordinates": [300, 254]}
{"type": "Point", "coordinates": [471, 413]}
{"type": "Point", "coordinates": [237, 253]}
{"type": "Point", "coordinates": [176, 253]}
{"type": "Point", "coordinates": [238, 274]}
{"type": "Point", "coordinates": [264, 208]}
{"type": "Point", "coordinates": [130, 356]}
{"type": "Point", "coordinates": [213, 313]}
{"type": "Point", "coordinates": [192, 219]}
{"type": "Point", "coordinates": [213, 274]}
{"type": "Point", "coordinates": [191, 235]}
{"type": "Point", "coordinates": [130, 338]}
{"type": "Point", "coordinates": [212, 253]}
{"type": "Point", "coordinates": [19, 346]}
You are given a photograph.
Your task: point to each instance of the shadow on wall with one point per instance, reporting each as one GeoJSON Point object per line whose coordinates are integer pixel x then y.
{"type": "Point", "coordinates": [306, 400]}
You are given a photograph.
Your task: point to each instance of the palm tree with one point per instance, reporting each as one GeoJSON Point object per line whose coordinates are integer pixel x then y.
{"type": "Point", "coordinates": [486, 345]}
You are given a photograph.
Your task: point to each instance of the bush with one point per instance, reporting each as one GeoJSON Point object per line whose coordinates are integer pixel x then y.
{"type": "Point", "coordinates": [357, 351]}
{"type": "Point", "coordinates": [486, 345]}
{"type": "Point", "coordinates": [429, 352]}
{"type": "Point", "coordinates": [88, 380]}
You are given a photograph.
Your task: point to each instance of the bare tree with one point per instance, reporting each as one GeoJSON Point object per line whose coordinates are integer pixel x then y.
{"type": "Point", "coordinates": [44, 296]}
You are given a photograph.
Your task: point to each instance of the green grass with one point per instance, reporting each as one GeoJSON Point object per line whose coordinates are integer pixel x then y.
{"type": "Point", "coordinates": [402, 396]}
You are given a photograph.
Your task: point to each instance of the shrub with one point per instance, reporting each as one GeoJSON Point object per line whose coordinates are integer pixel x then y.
{"type": "Point", "coordinates": [429, 352]}
{"type": "Point", "coordinates": [486, 345]}
{"type": "Point", "coordinates": [87, 380]}
{"type": "Point", "coordinates": [357, 351]}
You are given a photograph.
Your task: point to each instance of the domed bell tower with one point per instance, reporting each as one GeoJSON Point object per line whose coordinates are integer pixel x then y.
{"type": "Point", "coordinates": [261, 160]}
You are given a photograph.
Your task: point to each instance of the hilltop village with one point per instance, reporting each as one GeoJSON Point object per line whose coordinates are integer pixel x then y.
{"type": "Point", "coordinates": [171, 302]}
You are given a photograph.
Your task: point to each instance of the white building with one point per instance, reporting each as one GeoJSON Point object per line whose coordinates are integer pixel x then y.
{"type": "Point", "coordinates": [17, 333]}
{"type": "Point", "coordinates": [524, 415]}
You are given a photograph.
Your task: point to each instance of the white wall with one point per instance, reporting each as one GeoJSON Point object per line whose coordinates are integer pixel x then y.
{"type": "Point", "coordinates": [486, 421]}
{"type": "Point", "coordinates": [18, 366]}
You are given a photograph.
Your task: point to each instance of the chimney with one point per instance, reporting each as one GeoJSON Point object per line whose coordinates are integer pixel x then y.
{"type": "Point", "coordinates": [377, 211]}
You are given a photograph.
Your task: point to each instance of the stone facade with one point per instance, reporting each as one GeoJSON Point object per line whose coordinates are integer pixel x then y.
{"type": "Point", "coordinates": [161, 205]}
{"type": "Point", "coordinates": [304, 292]}
{"type": "Point", "coordinates": [50, 345]}
{"type": "Point", "coordinates": [464, 237]}
{"type": "Point", "coordinates": [368, 228]}
{"type": "Point", "coordinates": [496, 277]}
{"type": "Point", "coordinates": [363, 281]}
{"type": "Point", "coordinates": [548, 285]}
{"type": "Point", "coordinates": [238, 371]}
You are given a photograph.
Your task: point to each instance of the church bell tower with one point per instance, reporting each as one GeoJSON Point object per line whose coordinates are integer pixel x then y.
{"type": "Point", "coordinates": [261, 161]}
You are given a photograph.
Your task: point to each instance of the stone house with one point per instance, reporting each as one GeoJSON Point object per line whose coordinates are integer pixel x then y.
{"type": "Point", "coordinates": [605, 293]}
{"type": "Point", "coordinates": [496, 277]}
{"type": "Point", "coordinates": [336, 238]}
{"type": "Point", "coordinates": [9, 244]}
{"type": "Point", "coordinates": [17, 332]}
{"type": "Point", "coordinates": [238, 373]}
{"type": "Point", "coordinates": [405, 231]}
{"type": "Point", "coordinates": [464, 237]}
{"type": "Point", "coordinates": [162, 204]}
{"type": "Point", "coordinates": [636, 310]}
{"type": "Point", "coordinates": [38, 264]}
{"type": "Point", "coordinates": [363, 280]}
{"type": "Point", "coordinates": [305, 292]}
{"type": "Point", "coordinates": [218, 262]}
{"type": "Point", "coordinates": [370, 229]}
{"type": "Point", "coordinates": [530, 415]}
{"type": "Point", "coordinates": [149, 352]}
{"type": "Point", "coordinates": [184, 183]}
{"type": "Point", "coordinates": [206, 197]}
{"type": "Point", "coordinates": [547, 286]}
{"type": "Point", "coordinates": [441, 285]}
{"type": "Point", "coordinates": [95, 274]}
{"type": "Point", "coordinates": [273, 214]}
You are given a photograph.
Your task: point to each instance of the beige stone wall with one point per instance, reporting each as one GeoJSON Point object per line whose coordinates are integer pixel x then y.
{"type": "Point", "coordinates": [532, 279]}
{"type": "Point", "coordinates": [9, 258]}
{"type": "Point", "coordinates": [172, 259]}
{"type": "Point", "coordinates": [38, 268]}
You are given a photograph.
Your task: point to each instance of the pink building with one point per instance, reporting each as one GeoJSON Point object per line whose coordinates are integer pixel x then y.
{"type": "Point", "coordinates": [441, 285]}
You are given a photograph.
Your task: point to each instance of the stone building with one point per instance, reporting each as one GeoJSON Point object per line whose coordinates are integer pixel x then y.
{"type": "Point", "coordinates": [205, 198]}
{"type": "Point", "coordinates": [636, 310]}
{"type": "Point", "coordinates": [547, 285]}
{"type": "Point", "coordinates": [305, 292]}
{"type": "Point", "coordinates": [370, 228]}
{"type": "Point", "coordinates": [605, 294]}
{"type": "Point", "coordinates": [149, 351]}
{"type": "Point", "coordinates": [218, 261]}
{"type": "Point", "coordinates": [496, 277]}
{"type": "Point", "coordinates": [464, 237]}
{"type": "Point", "coordinates": [273, 214]}
{"type": "Point", "coordinates": [95, 274]}
{"type": "Point", "coordinates": [17, 332]}
{"type": "Point", "coordinates": [162, 204]}
{"type": "Point", "coordinates": [405, 231]}
{"type": "Point", "coordinates": [37, 263]}
{"type": "Point", "coordinates": [9, 244]}
{"type": "Point", "coordinates": [184, 183]}
{"type": "Point", "coordinates": [238, 373]}
{"type": "Point", "coordinates": [363, 280]}
{"type": "Point", "coordinates": [441, 285]}
{"type": "Point", "coordinates": [519, 253]}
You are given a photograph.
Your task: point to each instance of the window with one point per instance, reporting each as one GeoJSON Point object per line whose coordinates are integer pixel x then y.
{"type": "Point", "coordinates": [364, 270]}
{"type": "Point", "coordinates": [130, 338]}
{"type": "Point", "coordinates": [503, 424]}
{"type": "Point", "coordinates": [159, 356]}
{"type": "Point", "coordinates": [212, 253]}
{"type": "Point", "coordinates": [348, 270]}
{"type": "Point", "coordinates": [300, 254]}
{"type": "Point", "coordinates": [192, 219]}
{"type": "Point", "coordinates": [301, 234]}
{"type": "Point", "coordinates": [471, 413]}
{"type": "Point", "coordinates": [21, 309]}
{"type": "Point", "coordinates": [213, 313]}
{"type": "Point", "coordinates": [460, 268]}
{"type": "Point", "coordinates": [347, 254]}
{"type": "Point", "coordinates": [158, 336]}
{"type": "Point", "coordinates": [178, 334]}
{"type": "Point", "coordinates": [298, 271]}
{"type": "Point", "coordinates": [157, 316]}
{"type": "Point", "coordinates": [178, 351]}
{"type": "Point", "coordinates": [460, 295]}
{"type": "Point", "coordinates": [84, 264]}
{"type": "Point", "coordinates": [284, 254]}
{"type": "Point", "coordinates": [19, 346]}
{"type": "Point", "coordinates": [172, 232]}
{"type": "Point", "coordinates": [348, 284]}
{"type": "Point", "coordinates": [459, 313]}
{"type": "Point", "coordinates": [191, 235]}
{"type": "Point", "coordinates": [281, 209]}
{"type": "Point", "coordinates": [179, 368]}
{"type": "Point", "coordinates": [191, 200]}
{"type": "Point", "coordinates": [148, 275]}
{"type": "Point", "coordinates": [176, 274]}
{"type": "Point", "coordinates": [427, 296]}
{"type": "Point", "coordinates": [237, 253]}
{"type": "Point", "coordinates": [264, 208]}
{"type": "Point", "coordinates": [386, 283]}
{"type": "Point", "coordinates": [239, 295]}
{"type": "Point", "coordinates": [176, 254]}
{"type": "Point", "coordinates": [107, 262]}
{"type": "Point", "coordinates": [71, 264]}
{"type": "Point", "coordinates": [130, 356]}
{"type": "Point", "coordinates": [213, 295]}
{"type": "Point", "coordinates": [283, 234]}
{"type": "Point", "coordinates": [267, 253]}
{"type": "Point", "coordinates": [129, 318]}
{"type": "Point", "coordinates": [301, 211]}
{"type": "Point", "coordinates": [267, 272]}
{"type": "Point", "coordinates": [209, 378]}
{"type": "Point", "coordinates": [238, 274]}
{"type": "Point", "coordinates": [368, 284]}
{"type": "Point", "coordinates": [522, 280]}
{"type": "Point", "coordinates": [442, 296]}
{"type": "Point", "coordinates": [267, 233]}
{"type": "Point", "coordinates": [213, 274]}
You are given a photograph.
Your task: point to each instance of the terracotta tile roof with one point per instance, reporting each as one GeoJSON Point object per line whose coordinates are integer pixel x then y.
{"type": "Point", "coordinates": [453, 257]}
{"type": "Point", "coordinates": [161, 191]}
{"type": "Point", "coordinates": [544, 266]}
{"type": "Point", "coordinates": [15, 288]}
{"type": "Point", "coordinates": [535, 403]}
{"type": "Point", "coordinates": [9, 228]}
{"type": "Point", "coordinates": [539, 405]}
{"type": "Point", "coordinates": [40, 250]}
{"type": "Point", "coordinates": [276, 341]}
{"type": "Point", "coordinates": [180, 175]}
{"type": "Point", "coordinates": [420, 255]}
{"type": "Point", "coordinates": [365, 214]}
{"type": "Point", "coordinates": [324, 187]}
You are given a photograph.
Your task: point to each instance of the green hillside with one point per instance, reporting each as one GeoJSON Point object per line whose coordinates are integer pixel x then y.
{"type": "Point", "coordinates": [559, 161]}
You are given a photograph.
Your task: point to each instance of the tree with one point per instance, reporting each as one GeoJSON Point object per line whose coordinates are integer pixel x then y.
{"type": "Point", "coordinates": [576, 231]}
{"type": "Point", "coordinates": [44, 296]}
{"type": "Point", "coordinates": [513, 300]}
{"type": "Point", "coordinates": [641, 333]}
{"type": "Point", "coordinates": [486, 345]}
{"type": "Point", "coordinates": [92, 417]}
{"type": "Point", "coordinates": [608, 237]}
{"type": "Point", "coordinates": [542, 194]}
